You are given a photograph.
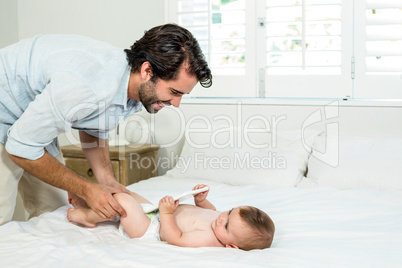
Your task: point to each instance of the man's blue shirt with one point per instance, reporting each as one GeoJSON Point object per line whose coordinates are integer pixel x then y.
{"type": "Point", "coordinates": [51, 83]}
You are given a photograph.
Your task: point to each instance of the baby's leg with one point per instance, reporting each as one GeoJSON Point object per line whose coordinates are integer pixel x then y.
{"type": "Point", "coordinates": [84, 216]}
{"type": "Point", "coordinates": [76, 201]}
{"type": "Point", "coordinates": [137, 222]}
{"type": "Point", "coordinates": [140, 199]}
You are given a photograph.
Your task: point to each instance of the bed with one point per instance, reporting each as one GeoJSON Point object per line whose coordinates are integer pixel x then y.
{"type": "Point", "coordinates": [317, 227]}
{"type": "Point", "coordinates": [349, 215]}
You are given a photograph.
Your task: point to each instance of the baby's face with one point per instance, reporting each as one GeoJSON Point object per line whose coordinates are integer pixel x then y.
{"type": "Point", "coordinates": [229, 226]}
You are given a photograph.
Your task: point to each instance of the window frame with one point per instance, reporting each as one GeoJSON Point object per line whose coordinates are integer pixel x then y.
{"type": "Point", "coordinates": [242, 86]}
{"type": "Point", "coordinates": [315, 86]}
{"type": "Point", "coordinates": [370, 86]}
{"type": "Point", "coordinates": [352, 83]}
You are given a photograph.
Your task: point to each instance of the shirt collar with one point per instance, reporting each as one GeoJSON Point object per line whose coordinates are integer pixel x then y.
{"type": "Point", "coordinates": [121, 95]}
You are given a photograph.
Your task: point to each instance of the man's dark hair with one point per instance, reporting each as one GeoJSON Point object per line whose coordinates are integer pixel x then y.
{"type": "Point", "coordinates": [166, 48]}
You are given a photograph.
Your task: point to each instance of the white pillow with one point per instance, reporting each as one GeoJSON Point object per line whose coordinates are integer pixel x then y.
{"type": "Point", "coordinates": [282, 163]}
{"type": "Point", "coordinates": [363, 163]}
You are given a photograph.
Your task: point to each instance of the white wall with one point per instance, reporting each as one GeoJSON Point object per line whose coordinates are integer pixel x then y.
{"type": "Point", "coordinates": [119, 22]}
{"type": "Point", "coordinates": [8, 22]}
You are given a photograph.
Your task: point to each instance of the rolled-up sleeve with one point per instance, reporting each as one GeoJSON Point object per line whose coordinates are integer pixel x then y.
{"type": "Point", "coordinates": [66, 98]}
{"type": "Point", "coordinates": [98, 134]}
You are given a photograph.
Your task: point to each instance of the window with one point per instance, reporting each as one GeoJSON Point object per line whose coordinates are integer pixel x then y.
{"type": "Point", "coordinates": [308, 54]}
{"type": "Point", "coordinates": [220, 29]}
{"type": "Point", "coordinates": [303, 37]}
{"type": "Point", "coordinates": [297, 48]}
{"type": "Point", "coordinates": [378, 49]}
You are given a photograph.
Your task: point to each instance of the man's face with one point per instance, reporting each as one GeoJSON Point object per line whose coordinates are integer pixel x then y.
{"type": "Point", "coordinates": [156, 95]}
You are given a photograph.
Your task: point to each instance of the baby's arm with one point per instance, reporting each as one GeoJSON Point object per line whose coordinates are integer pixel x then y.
{"type": "Point", "coordinates": [200, 199]}
{"type": "Point", "coordinates": [170, 231]}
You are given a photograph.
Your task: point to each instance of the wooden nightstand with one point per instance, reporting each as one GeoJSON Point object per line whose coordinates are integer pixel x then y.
{"type": "Point", "coordinates": [129, 164]}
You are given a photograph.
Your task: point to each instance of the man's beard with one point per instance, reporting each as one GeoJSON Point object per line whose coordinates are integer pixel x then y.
{"type": "Point", "coordinates": [147, 94]}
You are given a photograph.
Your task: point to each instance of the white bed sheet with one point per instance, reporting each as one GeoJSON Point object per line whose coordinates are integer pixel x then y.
{"type": "Point", "coordinates": [319, 227]}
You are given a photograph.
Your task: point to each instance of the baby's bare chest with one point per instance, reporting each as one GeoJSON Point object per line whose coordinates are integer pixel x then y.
{"type": "Point", "coordinates": [190, 218]}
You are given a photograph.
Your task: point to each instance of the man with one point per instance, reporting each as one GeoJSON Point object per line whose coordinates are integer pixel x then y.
{"type": "Point", "coordinates": [49, 84]}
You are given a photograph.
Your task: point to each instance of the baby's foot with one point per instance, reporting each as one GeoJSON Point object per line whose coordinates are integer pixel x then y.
{"type": "Point", "coordinates": [76, 201]}
{"type": "Point", "coordinates": [79, 216]}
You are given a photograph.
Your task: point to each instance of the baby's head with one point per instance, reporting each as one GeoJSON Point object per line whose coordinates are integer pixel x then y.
{"type": "Point", "coordinates": [259, 230]}
{"type": "Point", "coordinates": [245, 228]}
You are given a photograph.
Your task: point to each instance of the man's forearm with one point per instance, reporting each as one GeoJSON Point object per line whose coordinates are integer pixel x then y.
{"type": "Point", "coordinates": [97, 153]}
{"type": "Point", "coordinates": [51, 171]}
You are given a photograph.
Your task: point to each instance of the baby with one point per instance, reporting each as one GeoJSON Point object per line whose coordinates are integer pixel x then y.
{"type": "Point", "coordinates": [198, 225]}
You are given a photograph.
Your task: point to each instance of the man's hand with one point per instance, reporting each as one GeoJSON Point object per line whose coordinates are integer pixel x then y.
{"type": "Point", "coordinates": [115, 187]}
{"type": "Point", "coordinates": [167, 205]}
{"type": "Point", "coordinates": [99, 198]}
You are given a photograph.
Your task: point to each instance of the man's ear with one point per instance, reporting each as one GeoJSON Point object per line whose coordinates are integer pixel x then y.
{"type": "Point", "coordinates": [146, 71]}
{"type": "Point", "coordinates": [231, 246]}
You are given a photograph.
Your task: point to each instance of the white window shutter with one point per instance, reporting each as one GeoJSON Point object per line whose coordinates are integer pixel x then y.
{"type": "Point", "coordinates": [379, 69]}
{"type": "Point", "coordinates": [384, 37]}
{"type": "Point", "coordinates": [297, 48]}
{"type": "Point", "coordinates": [309, 48]}
{"type": "Point", "coordinates": [220, 28]}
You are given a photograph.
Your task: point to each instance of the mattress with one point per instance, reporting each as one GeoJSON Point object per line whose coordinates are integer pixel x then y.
{"type": "Point", "coordinates": [317, 227]}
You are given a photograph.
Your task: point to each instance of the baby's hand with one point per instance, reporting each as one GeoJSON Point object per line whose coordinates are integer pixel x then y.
{"type": "Point", "coordinates": [167, 205]}
{"type": "Point", "coordinates": [198, 198]}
